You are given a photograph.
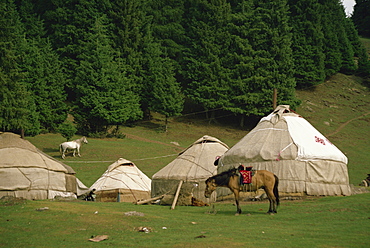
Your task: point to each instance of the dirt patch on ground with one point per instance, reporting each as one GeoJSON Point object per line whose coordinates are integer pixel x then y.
{"type": "Point", "coordinates": [11, 201]}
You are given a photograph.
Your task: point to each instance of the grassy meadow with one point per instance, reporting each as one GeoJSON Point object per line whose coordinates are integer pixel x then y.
{"type": "Point", "coordinates": [338, 108]}
{"type": "Point", "coordinates": [313, 222]}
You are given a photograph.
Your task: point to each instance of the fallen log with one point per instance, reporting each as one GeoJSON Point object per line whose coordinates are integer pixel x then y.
{"type": "Point", "coordinates": [149, 200]}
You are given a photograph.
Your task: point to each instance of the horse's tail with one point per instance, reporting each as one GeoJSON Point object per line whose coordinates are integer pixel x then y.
{"type": "Point", "coordinates": [276, 190]}
{"type": "Point", "coordinates": [60, 148]}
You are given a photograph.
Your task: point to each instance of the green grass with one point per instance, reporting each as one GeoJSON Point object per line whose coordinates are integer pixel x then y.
{"type": "Point", "coordinates": [317, 222]}
{"type": "Point", "coordinates": [336, 108]}
{"type": "Point", "coordinates": [148, 148]}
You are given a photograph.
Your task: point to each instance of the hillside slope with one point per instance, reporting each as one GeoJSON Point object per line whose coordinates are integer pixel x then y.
{"type": "Point", "coordinates": [340, 110]}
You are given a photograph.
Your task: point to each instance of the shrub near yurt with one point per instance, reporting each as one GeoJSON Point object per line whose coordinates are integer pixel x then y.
{"type": "Point", "coordinates": [29, 173]}
{"type": "Point", "coordinates": [191, 167]}
{"type": "Point", "coordinates": [289, 146]}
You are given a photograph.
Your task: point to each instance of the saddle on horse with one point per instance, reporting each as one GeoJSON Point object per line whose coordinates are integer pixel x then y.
{"type": "Point", "coordinates": [246, 174]}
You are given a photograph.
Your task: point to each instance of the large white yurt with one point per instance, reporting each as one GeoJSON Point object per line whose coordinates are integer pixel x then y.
{"type": "Point", "coordinates": [123, 181]}
{"type": "Point", "coordinates": [289, 146]}
{"type": "Point", "coordinates": [31, 174]}
{"type": "Point", "coordinates": [192, 166]}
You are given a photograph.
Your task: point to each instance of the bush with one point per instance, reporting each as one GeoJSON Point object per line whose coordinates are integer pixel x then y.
{"type": "Point", "coordinates": [67, 130]}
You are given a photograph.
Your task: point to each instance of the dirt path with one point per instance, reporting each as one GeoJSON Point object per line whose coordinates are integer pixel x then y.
{"type": "Point", "coordinates": [346, 123]}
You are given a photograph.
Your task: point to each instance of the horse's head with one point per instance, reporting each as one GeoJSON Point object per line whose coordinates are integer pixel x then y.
{"type": "Point", "coordinates": [84, 140]}
{"type": "Point", "coordinates": [210, 187]}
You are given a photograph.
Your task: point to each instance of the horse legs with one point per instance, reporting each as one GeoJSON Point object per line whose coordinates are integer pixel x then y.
{"type": "Point", "coordinates": [63, 153]}
{"type": "Point", "coordinates": [78, 151]}
{"type": "Point", "coordinates": [272, 200]}
{"type": "Point", "coordinates": [236, 194]}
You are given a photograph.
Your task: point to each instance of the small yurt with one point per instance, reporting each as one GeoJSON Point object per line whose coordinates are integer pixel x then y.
{"type": "Point", "coordinates": [289, 146]}
{"type": "Point", "coordinates": [29, 173]}
{"type": "Point", "coordinates": [192, 166]}
{"type": "Point", "coordinates": [123, 181]}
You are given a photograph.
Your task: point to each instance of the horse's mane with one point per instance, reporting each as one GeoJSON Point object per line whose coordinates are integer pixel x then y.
{"type": "Point", "coordinates": [228, 172]}
{"type": "Point", "coordinates": [223, 176]}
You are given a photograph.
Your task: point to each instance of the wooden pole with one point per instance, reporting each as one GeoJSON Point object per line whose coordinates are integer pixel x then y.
{"type": "Point", "coordinates": [274, 99]}
{"type": "Point", "coordinates": [176, 195]}
{"type": "Point", "coordinates": [149, 200]}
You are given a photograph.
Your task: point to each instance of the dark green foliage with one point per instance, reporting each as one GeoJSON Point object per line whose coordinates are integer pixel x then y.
{"type": "Point", "coordinates": [163, 91]}
{"type": "Point", "coordinates": [17, 107]}
{"type": "Point", "coordinates": [260, 58]}
{"type": "Point", "coordinates": [307, 42]}
{"type": "Point", "coordinates": [361, 17]}
{"type": "Point", "coordinates": [329, 23]}
{"type": "Point", "coordinates": [67, 130]}
{"type": "Point", "coordinates": [43, 72]}
{"type": "Point", "coordinates": [168, 27]}
{"type": "Point", "coordinates": [204, 73]}
{"type": "Point", "coordinates": [131, 39]}
{"type": "Point", "coordinates": [345, 46]}
{"type": "Point", "coordinates": [104, 93]}
{"type": "Point", "coordinates": [112, 61]}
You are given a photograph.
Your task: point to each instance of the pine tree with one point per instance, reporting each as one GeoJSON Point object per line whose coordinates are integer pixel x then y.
{"type": "Point", "coordinates": [206, 82]}
{"type": "Point", "coordinates": [131, 34]}
{"type": "Point", "coordinates": [361, 17]}
{"type": "Point", "coordinates": [67, 23]}
{"type": "Point", "coordinates": [270, 39]}
{"type": "Point", "coordinates": [345, 46]}
{"type": "Point", "coordinates": [239, 62]}
{"type": "Point", "coordinates": [363, 63]}
{"type": "Point", "coordinates": [330, 25]}
{"type": "Point", "coordinates": [307, 42]}
{"type": "Point", "coordinates": [104, 94]}
{"type": "Point", "coordinates": [168, 30]}
{"type": "Point", "coordinates": [167, 26]}
{"type": "Point", "coordinates": [44, 76]}
{"type": "Point", "coordinates": [17, 108]}
{"type": "Point", "coordinates": [163, 92]}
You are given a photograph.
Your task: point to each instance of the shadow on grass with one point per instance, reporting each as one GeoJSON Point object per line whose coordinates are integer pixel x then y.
{"type": "Point", "coordinates": [244, 213]}
{"type": "Point", "coordinates": [50, 150]}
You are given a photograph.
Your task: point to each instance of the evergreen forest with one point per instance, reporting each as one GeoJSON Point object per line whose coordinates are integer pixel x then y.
{"type": "Point", "coordinates": [109, 63]}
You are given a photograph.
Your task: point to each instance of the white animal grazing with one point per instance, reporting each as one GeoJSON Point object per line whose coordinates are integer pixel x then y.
{"type": "Point", "coordinates": [72, 145]}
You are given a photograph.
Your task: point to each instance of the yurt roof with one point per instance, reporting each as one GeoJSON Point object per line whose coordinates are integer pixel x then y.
{"type": "Point", "coordinates": [18, 152]}
{"type": "Point", "coordinates": [283, 135]}
{"type": "Point", "coordinates": [205, 139]}
{"type": "Point", "coordinates": [123, 174]}
{"type": "Point", "coordinates": [195, 162]}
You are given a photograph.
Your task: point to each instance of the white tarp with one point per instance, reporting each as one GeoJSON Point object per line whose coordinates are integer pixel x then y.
{"type": "Point", "coordinates": [312, 145]}
{"type": "Point", "coordinates": [123, 174]}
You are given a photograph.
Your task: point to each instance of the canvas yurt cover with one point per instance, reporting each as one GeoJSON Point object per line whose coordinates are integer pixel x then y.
{"type": "Point", "coordinates": [123, 181]}
{"type": "Point", "coordinates": [193, 166]}
{"type": "Point", "coordinates": [289, 146]}
{"type": "Point", "coordinates": [29, 173]}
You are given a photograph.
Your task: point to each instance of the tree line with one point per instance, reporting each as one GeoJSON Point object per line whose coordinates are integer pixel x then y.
{"type": "Point", "coordinates": [110, 63]}
{"type": "Point", "coordinates": [361, 17]}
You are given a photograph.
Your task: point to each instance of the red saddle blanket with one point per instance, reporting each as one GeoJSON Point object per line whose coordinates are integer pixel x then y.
{"type": "Point", "coordinates": [246, 176]}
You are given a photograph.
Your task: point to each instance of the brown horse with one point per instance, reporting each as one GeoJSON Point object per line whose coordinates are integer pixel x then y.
{"type": "Point", "coordinates": [261, 179]}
